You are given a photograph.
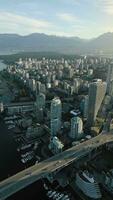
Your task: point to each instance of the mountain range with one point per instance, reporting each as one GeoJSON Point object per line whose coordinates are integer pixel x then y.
{"type": "Point", "coordinates": [39, 42]}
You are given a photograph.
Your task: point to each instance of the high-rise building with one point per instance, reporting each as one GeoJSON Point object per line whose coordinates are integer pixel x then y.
{"type": "Point", "coordinates": [76, 128]}
{"type": "Point", "coordinates": [1, 107]}
{"type": "Point", "coordinates": [32, 84]}
{"type": "Point", "coordinates": [84, 106]}
{"type": "Point", "coordinates": [40, 105]}
{"type": "Point", "coordinates": [109, 77]}
{"type": "Point", "coordinates": [97, 92]}
{"type": "Point", "coordinates": [76, 84]}
{"type": "Point", "coordinates": [90, 72]}
{"type": "Point", "coordinates": [56, 145]}
{"type": "Point", "coordinates": [40, 88]}
{"type": "Point", "coordinates": [40, 101]}
{"type": "Point", "coordinates": [38, 85]}
{"type": "Point", "coordinates": [56, 110]}
{"type": "Point", "coordinates": [68, 72]}
{"type": "Point", "coordinates": [110, 92]}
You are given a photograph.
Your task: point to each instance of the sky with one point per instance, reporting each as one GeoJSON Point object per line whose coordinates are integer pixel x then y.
{"type": "Point", "coordinates": [82, 18]}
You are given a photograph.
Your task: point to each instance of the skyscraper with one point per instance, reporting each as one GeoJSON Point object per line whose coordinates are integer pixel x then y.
{"type": "Point", "coordinates": [56, 145]}
{"type": "Point", "coordinates": [32, 84]}
{"type": "Point", "coordinates": [56, 110]}
{"type": "Point", "coordinates": [76, 128]}
{"type": "Point", "coordinates": [85, 110]}
{"type": "Point", "coordinates": [1, 107]}
{"type": "Point", "coordinates": [84, 106]}
{"type": "Point", "coordinates": [40, 101]}
{"type": "Point", "coordinates": [38, 85]}
{"type": "Point", "coordinates": [97, 92]}
{"type": "Point", "coordinates": [109, 77]}
{"type": "Point", "coordinates": [110, 92]}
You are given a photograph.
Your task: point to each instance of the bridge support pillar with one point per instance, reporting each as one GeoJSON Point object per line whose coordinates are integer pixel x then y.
{"type": "Point", "coordinates": [51, 176]}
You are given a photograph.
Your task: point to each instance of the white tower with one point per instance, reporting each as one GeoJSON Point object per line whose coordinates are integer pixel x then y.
{"type": "Point", "coordinates": [56, 109]}
{"type": "Point", "coordinates": [1, 107]}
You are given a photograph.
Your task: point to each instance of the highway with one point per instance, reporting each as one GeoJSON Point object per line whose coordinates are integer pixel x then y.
{"type": "Point", "coordinates": [37, 171]}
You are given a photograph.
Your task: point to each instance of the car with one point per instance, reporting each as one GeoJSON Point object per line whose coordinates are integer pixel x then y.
{"type": "Point", "coordinates": [28, 173]}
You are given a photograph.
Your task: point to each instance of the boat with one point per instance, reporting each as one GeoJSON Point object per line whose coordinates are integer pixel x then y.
{"type": "Point", "coordinates": [66, 197]}
{"type": "Point", "coordinates": [60, 197]}
{"type": "Point", "coordinates": [26, 154]}
{"type": "Point", "coordinates": [45, 186]}
{"type": "Point", "coordinates": [23, 160]}
{"type": "Point", "coordinates": [10, 118]}
{"type": "Point", "coordinates": [27, 158]}
{"type": "Point", "coordinates": [11, 126]}
{"type": "Point", "coordinates": [9, 122]}
{"type": "Point", "coordinates": [53, 193]}
{"type": "Point", "coordinates": [24, 147]}
{"type": "Point", "coordinates": [49, 192]}
{"type": "Point", "coordinates": [55, 196]}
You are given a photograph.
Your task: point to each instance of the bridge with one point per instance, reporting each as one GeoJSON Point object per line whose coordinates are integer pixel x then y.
{"type": "Point", "coordinates": [55, 163]}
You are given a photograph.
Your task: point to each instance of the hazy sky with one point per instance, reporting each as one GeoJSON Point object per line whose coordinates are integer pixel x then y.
{"type": "Point", "coordinates": [83, 18]}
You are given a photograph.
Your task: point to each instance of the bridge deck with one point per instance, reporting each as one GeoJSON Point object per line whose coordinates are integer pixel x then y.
{"type": "Point", "coordinates": [35, 172]}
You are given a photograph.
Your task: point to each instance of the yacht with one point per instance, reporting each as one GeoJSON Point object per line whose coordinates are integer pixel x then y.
{"type": "Point", "coordinates": [45, 186]}
{"type": "Point", "coordinates": [11, 117]}
{"type": "Point", "coordinates": [11, 126]}
{"type": "Point", "coordinates": [23, 160]}
{"type": "Point", "coordinates": [9, 122]}
{"type": "Point", "coordinates": [26, 154]}
{"type": "Point", "coordinates": [49, 192]}
{"type": "Point", "coordinates": [55, 196]}
{"type": "Point", "coordinates": [66, 197]}
{"type": "Point", "coordinates": [60, 197]}
{"type": "Point", "coordinates": [24, 147]}
{"type": "Point", "coordinates": [27, 158]}
{"type": "Point", "coordinates": [53, 193]}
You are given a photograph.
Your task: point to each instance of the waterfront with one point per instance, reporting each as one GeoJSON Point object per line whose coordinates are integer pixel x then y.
{"type": "Point", "coordinates": [9, 160]}
{"type": "Point", "coordinates": [2, 65]}
{"type": "Point", "coordinates": [11, 164]}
